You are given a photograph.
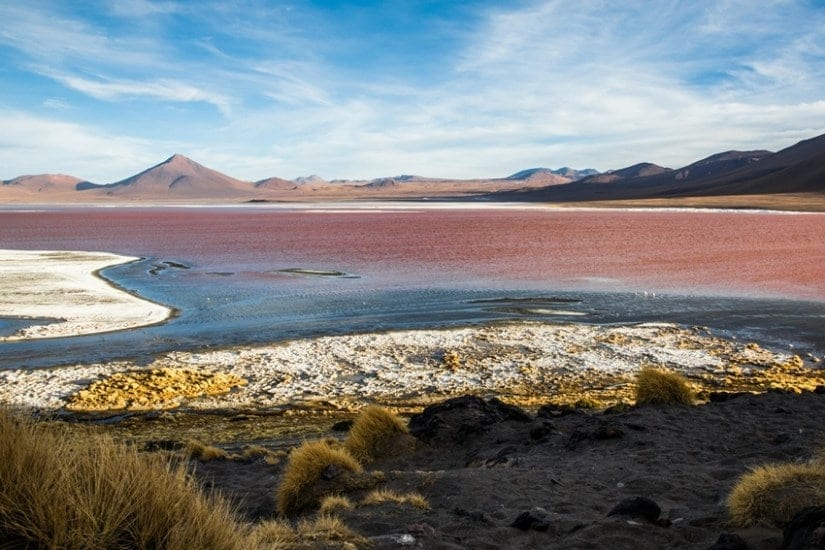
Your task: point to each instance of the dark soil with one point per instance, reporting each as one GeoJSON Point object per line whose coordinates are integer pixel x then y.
{"type": "Point", "coordinates": [496, 477]}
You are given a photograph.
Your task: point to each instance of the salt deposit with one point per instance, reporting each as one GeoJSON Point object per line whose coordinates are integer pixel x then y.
{"type": "Point", "coordinates": [528, 363]}
{"type": "Point", "coordinates": [63, 286]}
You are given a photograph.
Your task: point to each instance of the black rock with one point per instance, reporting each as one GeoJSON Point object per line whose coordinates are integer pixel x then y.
{"type": "Point", "coordinates": [342, 425]}
{"type": "Point", "coordinates": [540, 431]}
{"type": "Point", "coordinates": [552, 410]}
{"type": "Point", "coordinates": [603, 431]}
{"type": "Point", "coordinates": [461, 418]}
{"type": "Point", "coordinates": [501, 458]}
{"type": "Point", "coordinates": [607, 431]}
{"type": "Point", "coordinates": [536, 519]}
{"type": "Point", "coordinates": [474, 515]}
{"type": "Point", "coordinates": [637, 507]}
{"type": "Point", "coordinates": [719, 396]}
{"type": "Point", "coordinates": [806, 530]}
{"type": "Point", "coordinates": [729, 541]}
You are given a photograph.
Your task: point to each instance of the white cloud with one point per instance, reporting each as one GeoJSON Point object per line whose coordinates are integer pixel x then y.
{"type": "Point", "coordinates": [166, 90]}
{"type": "Point", "coordinates": [33, 145]}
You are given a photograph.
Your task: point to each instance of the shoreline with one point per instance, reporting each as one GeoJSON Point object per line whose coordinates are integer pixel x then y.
{"type": "Point", "coordinates": [69, 288]}
{"type": "Point", "coordinates": [400, 204]}
{"type": "Point", "coordinates": [525, 363]}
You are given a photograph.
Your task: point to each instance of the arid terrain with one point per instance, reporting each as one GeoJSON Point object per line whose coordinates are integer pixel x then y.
{"type": "Point", "coordinates": [790, 179]}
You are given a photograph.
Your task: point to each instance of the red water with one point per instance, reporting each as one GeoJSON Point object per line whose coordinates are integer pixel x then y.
{"type": "Point", "coordinates": [764, 254]}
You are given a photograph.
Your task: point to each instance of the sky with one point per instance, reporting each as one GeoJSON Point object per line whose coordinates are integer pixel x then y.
{"type": "Point", "coordinates": [102, 89]}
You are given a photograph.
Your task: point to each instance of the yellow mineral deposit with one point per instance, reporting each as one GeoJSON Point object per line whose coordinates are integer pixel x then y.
{"type": "Point", "coordinates": [163, 388]}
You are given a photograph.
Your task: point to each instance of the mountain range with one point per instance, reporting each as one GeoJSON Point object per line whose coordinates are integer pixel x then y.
{"type": "Point", "coordinates": [728, 178]}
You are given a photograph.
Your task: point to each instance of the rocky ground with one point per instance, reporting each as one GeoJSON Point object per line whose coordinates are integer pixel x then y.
{"type": "Point", "coordinates": [496, 476]}
{"type": "Point", "coordinates": [549, 475]}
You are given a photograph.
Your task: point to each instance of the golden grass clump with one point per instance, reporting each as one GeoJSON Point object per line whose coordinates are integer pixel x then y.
{"type": "Point", "coordinates": [322, 532]}
{"type": "Point", "coordinates": [90, 492]}
{"type": "Point", "coordinates": [307, 465]}
{"type": "Point", "coordinates": [373, 433]}
{"type": "Point", "coordinates": [661, 387]}
{"type": "Point", "coordinates": [204, 452]}
{"type": "Point", "coordinates": [252, 452]}
{"type": "Point", "coordinates": [771, 495]}
{"type": "Point", "coordinates": [333, 503]}
{"type": "Point", "coordinates": [380, 496]}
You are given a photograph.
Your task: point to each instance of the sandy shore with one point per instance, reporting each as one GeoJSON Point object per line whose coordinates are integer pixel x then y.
{"type": "Point", "coordinates": [66, 287]}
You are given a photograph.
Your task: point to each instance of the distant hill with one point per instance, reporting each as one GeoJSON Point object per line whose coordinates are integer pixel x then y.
{"type": "Point", "coordinates": [310, 180]}
{"type": "Point", "coordinates": [177, 176]}
{"type": "Point", "coordinates": [279, 184]}
{"type": "Point", "coordinates": [641, 170]}
{"type": "Point", "coordinates": [570, 174]}
{"type": "Point", "coordinates": [796, 169]}
{"type": "Point", "coordinates": [799, 169]}
{"type": "Point", "coordinates": [42, 183]}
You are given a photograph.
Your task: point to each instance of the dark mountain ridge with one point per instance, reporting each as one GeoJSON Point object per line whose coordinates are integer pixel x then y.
{"type": "Point", "coordinates": [799, 168]}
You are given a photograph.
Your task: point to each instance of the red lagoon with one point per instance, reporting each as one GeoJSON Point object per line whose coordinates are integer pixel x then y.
{"type": "Point", "coordinates": [698, 252]}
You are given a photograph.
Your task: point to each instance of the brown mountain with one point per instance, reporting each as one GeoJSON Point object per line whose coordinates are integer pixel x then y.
{"type": "Point", "coordinates": [176, 177]}
{"type": "Point", "coordinates": [46, 184]}
{"type": "Point", "coordinates": [641, 170]}
{"type": "Point", "coordinates": [276, 184]}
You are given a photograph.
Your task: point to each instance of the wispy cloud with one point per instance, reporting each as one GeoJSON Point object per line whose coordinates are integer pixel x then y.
{"type": "Point", "coordinates": [142, 8]}
{"type": "Point", "coordinates": [166, 90]}
{"type": "Point", "coordinates": [31, 144]}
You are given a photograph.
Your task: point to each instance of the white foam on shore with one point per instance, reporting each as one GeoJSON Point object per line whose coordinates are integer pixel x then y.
{"type": "Point", "coordinates": [65, 286]}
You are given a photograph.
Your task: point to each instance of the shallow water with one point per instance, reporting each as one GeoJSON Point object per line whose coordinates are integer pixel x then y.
{"type": "Point", "coordinates": [247, 275]}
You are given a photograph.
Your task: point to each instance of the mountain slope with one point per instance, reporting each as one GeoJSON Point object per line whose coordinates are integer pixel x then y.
{"type": "Point", "coordinates": [42, 183]}
{"type": "Point", "coordinates": [177, 176]}
{"type": "Point", "coordinates": [799, 168]}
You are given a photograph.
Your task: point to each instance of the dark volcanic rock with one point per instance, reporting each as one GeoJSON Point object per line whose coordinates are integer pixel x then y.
{"type": "Point", "coordinates": [460, 418]}
{"type": "Point", "coordinates": [503, 458]}
{"type": "Point", "coordinates": [806, 530]}
{"type": "Point", "coordinates": [603, 431]}
{"type": "Point", "coordinates": [551, 410]}
{"type": "Point", "coordinates": [637, 507]}
{"type": "Point", "coordinates": [536, 519]}
{"type": "Point", "coordinates": [729, 541]}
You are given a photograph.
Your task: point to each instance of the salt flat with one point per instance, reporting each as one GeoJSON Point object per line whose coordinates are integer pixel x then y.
{"type": "Point", "coordinates": [65, 286]}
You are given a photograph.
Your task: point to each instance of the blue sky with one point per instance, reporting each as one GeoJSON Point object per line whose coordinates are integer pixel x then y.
{"type": "Point", "coordinates": [103, 89]}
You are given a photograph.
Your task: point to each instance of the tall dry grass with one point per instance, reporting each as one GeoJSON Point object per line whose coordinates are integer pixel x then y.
{"type": "Point", "coordinates": [374, 433]}
{"type": "Point", "coordinates": [662, 387]}
{"type": "Point", "coordinates": [90, 492]}
{"type": "Point", "coordinates": [770, 495]}
{"type": "Point", "coordinates": [308, 465]}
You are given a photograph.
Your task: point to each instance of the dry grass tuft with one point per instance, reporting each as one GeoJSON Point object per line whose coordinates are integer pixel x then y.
{"type": "Point", "coordinates": [380, 496]}
{"type": "Point", "coordinates": [322, 532]}
{"type": "Point", "coordinates": [373, 433]}
{"type": "Point", "coordinates": [587, 402]}
{"type": "Point", "coordinates": [274, 534]}
{"type": "Point", "coordinates": [85, 492]}
{"type": "Point", "coordinates": [253, 452]}
{"type": "Point", "coordinates": [329, 529]}
{"type": "Point", "coordinates": [204, 452]}
{"type": "Point", "coordinates": [661, 387]}
{"type": "Point", "coordinates": [333, 503]}
{"type": "Point", "coordinates": [771, 495]}
{"type": "Point", "coordinates": [308, 465]}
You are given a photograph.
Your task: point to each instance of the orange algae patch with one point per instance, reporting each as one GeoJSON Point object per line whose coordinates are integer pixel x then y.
{"type": "Point", "coordinates": [163, 388]}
